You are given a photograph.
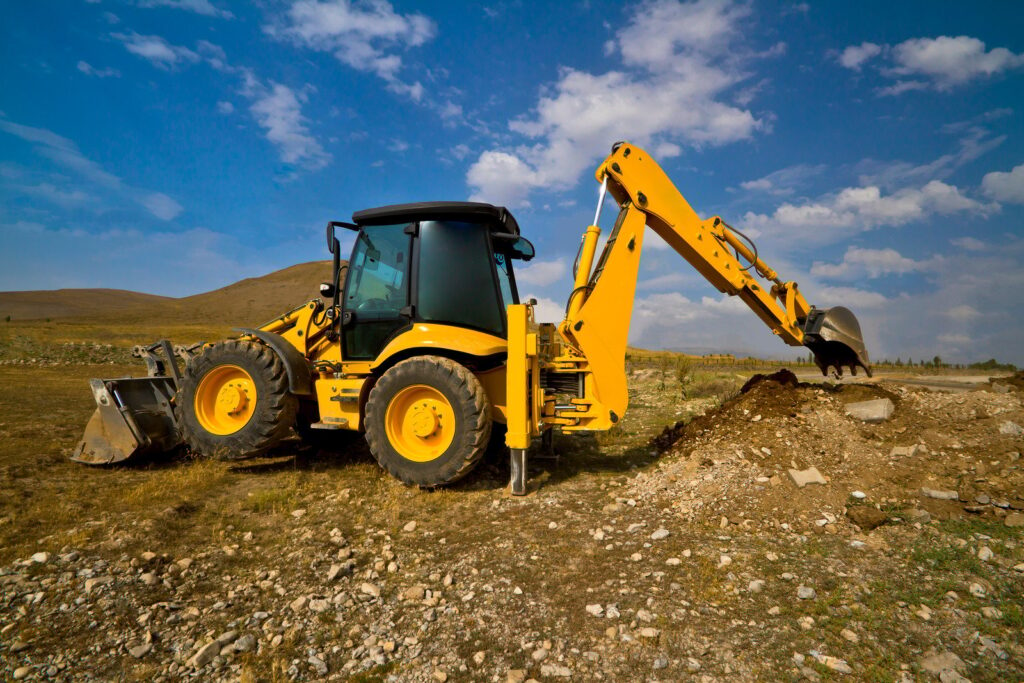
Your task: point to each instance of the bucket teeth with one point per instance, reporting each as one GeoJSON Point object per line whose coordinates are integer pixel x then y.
{"type": "Point", "coordinates": [833, 335]}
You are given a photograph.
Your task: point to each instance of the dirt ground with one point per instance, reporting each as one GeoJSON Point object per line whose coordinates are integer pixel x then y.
{"type": "Point", "coordinates": [649, 553]}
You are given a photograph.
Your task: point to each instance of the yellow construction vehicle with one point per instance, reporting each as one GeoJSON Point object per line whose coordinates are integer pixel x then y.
{"type": "Point", "coordinates": [425, 345]}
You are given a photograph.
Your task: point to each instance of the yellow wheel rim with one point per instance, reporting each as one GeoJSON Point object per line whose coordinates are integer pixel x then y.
{"type": "Point", "coordinates": [420, 423]}
{"type": "Point", "coordinates": [225, 400]}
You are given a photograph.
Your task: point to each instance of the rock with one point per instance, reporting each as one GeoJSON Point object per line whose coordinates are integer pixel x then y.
{"type": "Point", "coordinates": [755, 586]}
{"type": "Point", "coordinates": [414, 593]}
{"type": "Point", "coordinates": [660, 663]}
{"type": "Point", "coordinates": [97, 582]}
{"type": "Point", "coordinates": [140, 651]}
{"type": "Point", "coordinates": [858, 495]}
{"type": "Point", "coordinates": [539, 654]}
{"type": "Point", "coordinates": [985, 553]}
{"type": "Point", "coordinates": [440, 676]}
{"type": "Point", "coordinates": [1014, 519]}
{"type": "Point", "coordinates": [724, 561]}
{"type": "Point", "coordinates": [806, 623]}
{"type": "Point", "coordinates": [299, 603]}
{"type": "Point", "coordinates": [149, 578]}
{"type": "Point", "coordinates": [611, 611]}
{"type": "Point", "coordinates": [338, 570]}
{"type": "Point", "coordinates": [1011, 428]}
{"type": "Point", "coordinates": [595, 610]}
{"type": "Point", "coordinates": [866, 517]}
{"type": "Point", "coordinates": [410, 526]}
{"type": "Point", "coordinates": [905, 451]}
{"type": "Point", "coordinates": [298, 513]}
{"type": "Point", "coordinates": [319, 605]}
{"type": "Point", "coordinates": [205, 655]}
{"type": "Point", "coordinates": [833, 663]}
{"type": "Point", "coordinates": [939, 494]}
{"type": "Point", "coordinates": [991, 612]}
{"type": "Point", "coordinates": [184, 563]}
{"type": "Point", "coordinates": [878, 410]}
{"type": "Point", "coordinates": [515, 676]}
{"type": "Point", "coordinates": [673, 562]}
{"type": "Point", "coordinates": [977, 590]}
{"type": "Point", "coordinates": [938, 663]}
{"type": "Point", "coordinates": [21, 672]}
{"type": "Point", "coordinates": [659, 534]}
{"type": "Point", "coordinates": [555, 671]}
{"type": "Point", "coordinates": [246, 643]}
{"type": "Point", "coordinates": [319, 665]}
{"type": "Point", "coordinates": [806, 593]}
{"type": "Point", "coordinates": [692, 665]}
{"type": "Point", "coordinates": [804, 477]}
{"type": "Point", "coordinates": [649, 632]}
{"type": "Point", "coordinates": [849, 635]}
{"type": "Point", "coordinates": [479, 657]}
{"type": "Point", "coordinates": [917, 515]}
{"type": "Point", "coordinates": [370, 589]}
{"type": "Point", "coordinates": [41, 558]}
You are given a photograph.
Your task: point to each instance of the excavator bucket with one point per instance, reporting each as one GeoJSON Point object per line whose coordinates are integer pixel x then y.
{"type": "Point", "coordinates": [833, 336]}
{"type": "Point", "coordinates": [134, 415]}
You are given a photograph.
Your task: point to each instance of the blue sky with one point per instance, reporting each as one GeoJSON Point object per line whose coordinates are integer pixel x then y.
{"type": "Point", "coordinates": [874, 150]}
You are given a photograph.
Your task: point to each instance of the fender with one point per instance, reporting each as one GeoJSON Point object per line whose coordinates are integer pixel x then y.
{"type": "Point", "coordinates": [300, 377]}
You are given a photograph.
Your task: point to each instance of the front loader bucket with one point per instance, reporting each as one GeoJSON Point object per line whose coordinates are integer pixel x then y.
{"type": "Point", "coordinates": [833, 336]}
{"type": "Point", "coordinates": [134, 415]}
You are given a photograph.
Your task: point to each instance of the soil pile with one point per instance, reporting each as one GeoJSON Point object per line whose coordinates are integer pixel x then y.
{"type": "Point", "coordinates": [944, 453]}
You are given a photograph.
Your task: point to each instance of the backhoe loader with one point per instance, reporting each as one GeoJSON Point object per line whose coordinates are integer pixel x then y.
{"type": "Point", "coordinates": [426, 345]}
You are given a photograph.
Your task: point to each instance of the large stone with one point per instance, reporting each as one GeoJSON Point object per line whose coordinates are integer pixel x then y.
{"type": "Point", "coordinates": [878, 410]}
{"type": "Point", "coordinates": [1011, 428]}
{"type": "Point", "coordinates": [938, 663]}
{"type": "Point", "coordinates": [939, 494]}
{"type": "Point", "coordinates": [804, 477]}
{"type": "Point", "coordinates": [866, 517]}
{"type": "Point", "coordinates": [1014, 519]}
{"type": "Point", "coordinates": [205, 655]}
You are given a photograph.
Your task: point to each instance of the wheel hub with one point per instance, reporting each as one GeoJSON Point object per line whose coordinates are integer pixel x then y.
{"type": "Point", "coordinates": [225, 400]}
{"type": "Point", "coordinates": [420, 423]}
{"type": "Point", "coordinates": [232, 399]}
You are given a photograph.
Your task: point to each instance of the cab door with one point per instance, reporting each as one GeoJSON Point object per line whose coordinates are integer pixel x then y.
{"type": "Point", "coordinates": [376, 303]}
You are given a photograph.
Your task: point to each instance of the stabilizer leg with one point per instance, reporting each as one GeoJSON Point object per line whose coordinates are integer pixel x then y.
{"type": "Point", "coordinates": [517, 459]}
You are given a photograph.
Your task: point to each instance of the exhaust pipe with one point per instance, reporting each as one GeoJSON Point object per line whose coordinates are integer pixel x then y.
{"type": "Point", "coordinates": [833, 335]}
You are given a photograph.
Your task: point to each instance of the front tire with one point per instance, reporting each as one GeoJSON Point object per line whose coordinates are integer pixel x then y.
{"type": "Point", "coordinates": [428, 421]}
{"type": "Point", "coordinates": [234, 401]}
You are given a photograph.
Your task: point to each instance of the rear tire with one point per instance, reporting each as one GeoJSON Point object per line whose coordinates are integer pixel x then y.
{"type": "Point", "coordinates": [428, 421]}
{"type": "Point", "coordinates": [234, 401]}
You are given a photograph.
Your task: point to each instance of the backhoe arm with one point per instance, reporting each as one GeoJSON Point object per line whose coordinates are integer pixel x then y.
{"type": "Point", "coordinates": [729, 261]}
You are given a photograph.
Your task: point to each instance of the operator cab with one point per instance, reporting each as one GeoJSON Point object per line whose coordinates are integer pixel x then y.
{"type": "Point", "coordinates": [430, 262]}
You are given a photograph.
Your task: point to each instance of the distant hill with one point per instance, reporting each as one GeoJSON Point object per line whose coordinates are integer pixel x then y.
{"type": "Point", "coordinates": [246, 303]}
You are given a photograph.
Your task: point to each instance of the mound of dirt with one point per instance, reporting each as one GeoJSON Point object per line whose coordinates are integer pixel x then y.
{"type": "Point", "coordinates": [948, 454]}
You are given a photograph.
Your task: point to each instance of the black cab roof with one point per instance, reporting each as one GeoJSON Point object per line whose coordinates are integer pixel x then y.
{"type": "Point", "coordinates": [498, 217]}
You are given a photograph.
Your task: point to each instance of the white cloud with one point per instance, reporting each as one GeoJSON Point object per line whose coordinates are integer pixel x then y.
{"type": "Point", "coordinates": [858, 263]}
{"type": "Point", "coordinates": [160, 205]}
{"type": "Point", "coordinates": [278, 110]}
{"type": "Point", "coordinates": [1005, 187]}
{"type": "Point", "coordinates": [546, 310]}
{"type": "Point", "coordinates": [943, 63]}
{"type": "Point", "coordinates": [857, 209]}
{"type": "Point", "coordinates": [89, 70]}
{"type": "Point", "coordinates": [785, 181]}
{"type": "Point", "coordinates": [204, 7]}
{"type": "Point", "coordinates": [851, 297]}
{"type": "Point", "coordinates": [949, 62]}
{"type": "Point", "coordinates": [975, 143]}
{"type": "Point", "coordinates": [367, 36]}
{"type": "Point", "coordinates": [969, 243]}
{"type": "Point", "coordinates": [667, 281]}
{"type": "Point", "coordinates": [156, 50]}
{"type": "Point", "coordinates": [66, 153]}
{"type": "Point", "coordinates": [225, 107]}
{"type": "Point", "coordinates": [963, 313]}
{"type": "Point", "coordinates": [55, 195]}
{"type": "Point", "coordinates": [855, 55]}
{"type": "Point", "coordinates": [542, 273]}
{"type": "Point", "coordinates": [678, 62]}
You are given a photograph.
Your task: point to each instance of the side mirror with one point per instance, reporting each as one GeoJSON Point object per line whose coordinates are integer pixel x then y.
{"type": "Point", "coordinates": [332, 241]}
{"type": "Point", "coordinates": [327, 290]}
